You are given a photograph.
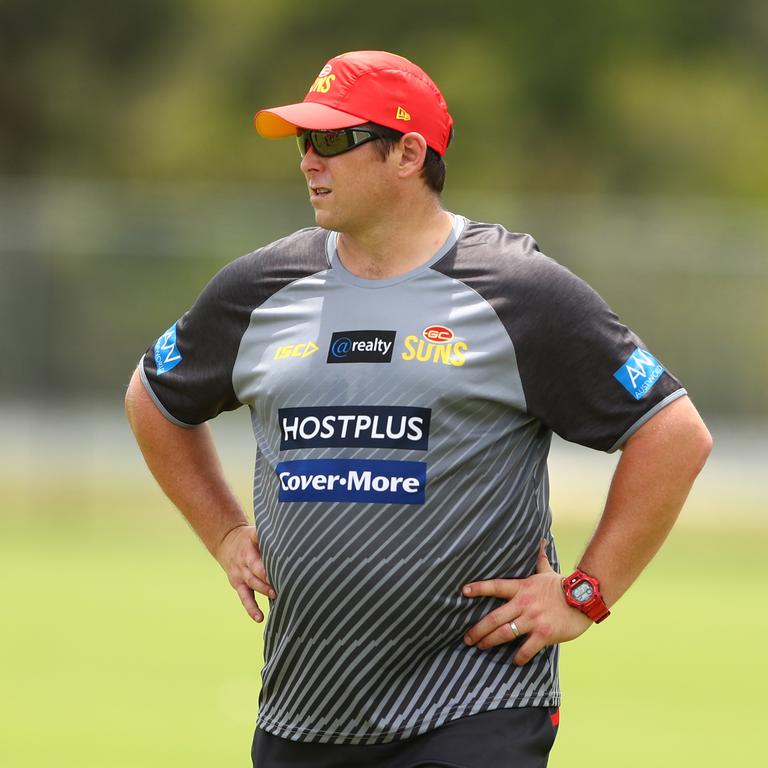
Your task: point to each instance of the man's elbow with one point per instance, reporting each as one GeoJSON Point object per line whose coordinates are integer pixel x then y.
{"type": "Point", "coordinates": [134, 399]}
{"type": "Point", "coordinates": [694, 440]}
{"type": "Point", "coordinates": [676, 431]}
{"type": "Point", "coordinates": [702, 443]}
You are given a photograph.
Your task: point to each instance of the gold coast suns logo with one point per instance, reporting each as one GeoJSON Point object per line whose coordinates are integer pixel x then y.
{"type": "Point", "coordinates": [323, 81]}
{"type": "Point", "coordinates": [436, 345]}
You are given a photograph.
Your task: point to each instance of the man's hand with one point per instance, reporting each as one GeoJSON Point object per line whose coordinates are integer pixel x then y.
{"type": "Point", "coordinates": [240, 557]}
{"type": "Point", "coordinates": [536, 605]}
{"type": "Point", "coordinates": [187, 467]}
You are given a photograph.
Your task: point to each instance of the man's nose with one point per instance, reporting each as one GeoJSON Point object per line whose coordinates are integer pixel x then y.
{"type": "Point", "coordinates": [311, 160]}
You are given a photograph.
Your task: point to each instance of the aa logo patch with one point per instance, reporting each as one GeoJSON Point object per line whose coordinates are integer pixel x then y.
{"type": "Point", "coordinates": [167, 355]}
{"type": "Point", "coordinates": [639, 373]}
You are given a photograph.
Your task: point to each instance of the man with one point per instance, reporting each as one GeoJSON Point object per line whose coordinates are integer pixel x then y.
{"type": "Point", "coordinates": [404, 369]}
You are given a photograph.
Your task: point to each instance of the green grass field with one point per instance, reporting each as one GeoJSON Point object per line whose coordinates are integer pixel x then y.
{"type": "Point", "coordinates": [123, 645]}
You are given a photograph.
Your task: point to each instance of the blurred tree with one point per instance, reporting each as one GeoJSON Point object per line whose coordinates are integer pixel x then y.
{"type": "Point", "coordinates": [65, 72]}
{"type": "Point", "coordinates": [601, 97]}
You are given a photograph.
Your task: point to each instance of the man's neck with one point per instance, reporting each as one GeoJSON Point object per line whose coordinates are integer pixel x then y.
{"type": "Point", "coordinates": [394, 246]}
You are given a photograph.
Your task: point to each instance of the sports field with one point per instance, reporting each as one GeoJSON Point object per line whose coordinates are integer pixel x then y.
{"type": "Point", "coordinates": [123, 645]}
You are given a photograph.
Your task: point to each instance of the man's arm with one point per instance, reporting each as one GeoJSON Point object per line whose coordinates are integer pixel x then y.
{"type": "Point", "coordinates": [650, 484]}
{"type": "Point", "coordinates": [187, 467]}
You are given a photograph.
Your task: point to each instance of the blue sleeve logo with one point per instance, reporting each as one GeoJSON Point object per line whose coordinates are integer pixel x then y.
{"type": "Point", "coordinates": [167, 355]}
{"type": "Point", "coordinates": [639, 373]}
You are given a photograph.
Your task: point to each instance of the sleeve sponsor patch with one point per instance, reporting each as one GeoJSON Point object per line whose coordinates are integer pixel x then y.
{"type": "Point", "coordinates": [640, 373]}
{"type": "Point", "coordinates": [167, 355]}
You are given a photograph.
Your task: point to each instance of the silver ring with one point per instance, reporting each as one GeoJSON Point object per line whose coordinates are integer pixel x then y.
{"type": "Point", "coordinates": [514, 628]}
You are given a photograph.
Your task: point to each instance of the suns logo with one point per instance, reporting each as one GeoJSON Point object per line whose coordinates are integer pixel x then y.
{"type": "Point", "coordinates": [437, 334]}
{"type": "Point", "coordinates": [438, 345]}
{"type": "Point", "coordinates": [323, 81]}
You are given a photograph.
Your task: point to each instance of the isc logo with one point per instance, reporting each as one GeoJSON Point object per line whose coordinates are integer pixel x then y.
{"type": "Point", "coordinates": [296, 350]}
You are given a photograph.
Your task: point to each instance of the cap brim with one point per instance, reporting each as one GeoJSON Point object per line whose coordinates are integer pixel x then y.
{"type": "Point", "coordinates": [279, 122]}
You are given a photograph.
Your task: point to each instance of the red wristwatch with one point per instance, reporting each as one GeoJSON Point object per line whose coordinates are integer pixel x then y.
{"type": "Point", "coordinates": [582, 591]}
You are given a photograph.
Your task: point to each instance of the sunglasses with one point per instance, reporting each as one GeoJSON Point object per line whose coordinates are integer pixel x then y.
{"type": "Point", "coordinates": [330, 143]}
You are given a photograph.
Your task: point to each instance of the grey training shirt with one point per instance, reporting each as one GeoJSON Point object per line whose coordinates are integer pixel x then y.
{"type": "Point", "coordinates": [402, 430]}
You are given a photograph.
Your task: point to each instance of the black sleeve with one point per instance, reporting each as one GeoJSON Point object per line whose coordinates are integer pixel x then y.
{"type": "Point", "coordinates": [584, 374]}
{"type": "Point", "coordinates": [188, 370]}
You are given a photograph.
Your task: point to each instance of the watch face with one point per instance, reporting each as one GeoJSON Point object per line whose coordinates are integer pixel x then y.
{"type": "Point", "coordinates": [582, 592]}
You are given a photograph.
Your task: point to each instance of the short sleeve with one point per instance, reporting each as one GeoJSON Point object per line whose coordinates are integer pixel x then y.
{"type": "Point", "coordinates": [585, 375]}
{"type": "Point", "coordinates": [188, 370]}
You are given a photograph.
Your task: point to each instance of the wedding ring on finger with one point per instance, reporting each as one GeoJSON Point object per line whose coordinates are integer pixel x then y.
{"type": "Point", "coordinates": [514, 629]}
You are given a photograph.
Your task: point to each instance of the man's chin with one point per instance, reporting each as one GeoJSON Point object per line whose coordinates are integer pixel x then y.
{"type": "Point", "coordinates": [324, 221]}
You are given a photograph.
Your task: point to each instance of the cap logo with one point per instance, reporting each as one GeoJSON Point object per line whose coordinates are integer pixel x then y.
{"type": "Point", "coordinates": [326, 70]}
{"type": "Point", "coordinates": [402, 114]}
{"type": "Point", "coordinates": [323, 83]}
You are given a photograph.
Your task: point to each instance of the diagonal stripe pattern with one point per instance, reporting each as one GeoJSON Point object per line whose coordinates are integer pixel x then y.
{"type": "Point", "coordinates": [364, 642]}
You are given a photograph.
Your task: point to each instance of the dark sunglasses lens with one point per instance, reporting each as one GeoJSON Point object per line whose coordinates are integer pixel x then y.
{"type": "Point", "coordinates": [302, 139]}
{"type": "Point", "coordinates": [325, 143]}
{"type": "Point", "coordinates": [329, 143]}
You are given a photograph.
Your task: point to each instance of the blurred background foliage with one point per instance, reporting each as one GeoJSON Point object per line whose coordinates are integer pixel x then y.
{"type": "Point", "coordinates": [599, 97]}
{"type": "Point", "coordinates": [629, 137]}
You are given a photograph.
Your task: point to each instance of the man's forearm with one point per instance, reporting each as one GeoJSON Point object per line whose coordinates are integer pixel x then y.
{"type": "Point", "coordinates": [187, 467]}
{"type": "Point", "coordinates": [652, 479]}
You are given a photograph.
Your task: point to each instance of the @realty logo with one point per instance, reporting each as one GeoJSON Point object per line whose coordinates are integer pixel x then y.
{"type": "Point", "coordinates": [341, 347]}
{"type": "Point", "coordinates": [361, 347]}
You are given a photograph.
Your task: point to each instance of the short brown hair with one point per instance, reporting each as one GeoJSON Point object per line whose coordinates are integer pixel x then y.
{"type": "Point", "coordinates": [433, 170]}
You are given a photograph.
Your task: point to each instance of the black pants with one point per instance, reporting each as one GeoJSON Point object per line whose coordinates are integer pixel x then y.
{"type": "Point", "coordinates": [505, 738]}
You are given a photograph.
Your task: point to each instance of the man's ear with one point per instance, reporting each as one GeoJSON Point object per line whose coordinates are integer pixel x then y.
{"type": "Point", "coordinates": [413, 152]}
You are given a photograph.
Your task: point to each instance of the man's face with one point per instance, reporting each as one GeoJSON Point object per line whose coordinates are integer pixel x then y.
{"type": "Point", "coordinates": [350, 191]}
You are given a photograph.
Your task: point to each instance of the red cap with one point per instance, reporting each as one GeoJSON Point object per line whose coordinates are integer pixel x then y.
{"type": "Point", "coordinates": [362, 87]}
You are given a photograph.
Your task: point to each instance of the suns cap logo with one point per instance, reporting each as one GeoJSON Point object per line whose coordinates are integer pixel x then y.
{"type": "Point", "coordinates": [323, 81]}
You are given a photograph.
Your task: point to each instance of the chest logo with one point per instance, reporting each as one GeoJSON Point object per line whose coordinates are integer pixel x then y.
{"type": "Point", "coordinates": [438, 334]}
{"type": "Point", "coordinates": [438, 345]}
{"type": "Point", "coordinates": [361, 347]}
{"type": "Point", "coordinates": [352, 480]}
{"type": "Point", "coordinates": [296, 350]}
{"type": "Point", "coordinates": [347, 426]}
